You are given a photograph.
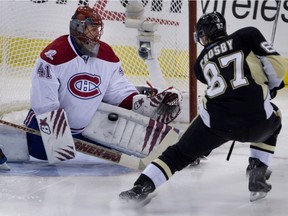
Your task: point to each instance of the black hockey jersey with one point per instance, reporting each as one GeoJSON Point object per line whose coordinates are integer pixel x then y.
{"type": "Point", "coordinates": [239, 71]}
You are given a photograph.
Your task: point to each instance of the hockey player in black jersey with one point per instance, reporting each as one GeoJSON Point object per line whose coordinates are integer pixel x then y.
{"type": "Point", "coordinates": [242, 71]}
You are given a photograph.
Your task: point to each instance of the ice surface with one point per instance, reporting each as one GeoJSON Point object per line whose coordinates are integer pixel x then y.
{"type": "Point", "coordinates": [90, 186]}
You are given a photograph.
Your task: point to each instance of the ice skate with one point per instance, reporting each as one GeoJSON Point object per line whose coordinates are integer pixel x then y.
{"type": "Point", "coordinates": [3, 160]}
{"type": "Point", "coordinates": [138, 192]}
{"type": "Point", "coordinates": [257, 180]}
{"type": "Point", "coordinates": [267, 174]}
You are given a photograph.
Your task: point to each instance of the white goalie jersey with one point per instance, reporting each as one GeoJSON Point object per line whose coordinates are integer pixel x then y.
{"type": "Point", "coordinates": [62, 78]}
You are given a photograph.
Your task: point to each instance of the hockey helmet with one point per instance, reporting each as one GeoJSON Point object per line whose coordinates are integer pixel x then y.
{"type": "Point", "coordinates": [86, 26]}
{"type": "Point", "coordinates": [211, 25]}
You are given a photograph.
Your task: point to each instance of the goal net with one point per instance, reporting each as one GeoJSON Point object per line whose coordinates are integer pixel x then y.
{"type": "Point", "coordinates": [27, 26]}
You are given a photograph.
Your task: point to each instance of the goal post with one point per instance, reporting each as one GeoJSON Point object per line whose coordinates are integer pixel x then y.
{"type": "Point", "coordinates": [27, 26]}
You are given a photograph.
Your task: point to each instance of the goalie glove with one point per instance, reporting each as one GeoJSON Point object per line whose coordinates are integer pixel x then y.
{"type": "Point", "coordinates": [163, 107]}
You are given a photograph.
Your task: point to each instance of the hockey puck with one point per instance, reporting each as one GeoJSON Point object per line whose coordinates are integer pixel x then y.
{"type": "Point", "coordinates": [113, 116]}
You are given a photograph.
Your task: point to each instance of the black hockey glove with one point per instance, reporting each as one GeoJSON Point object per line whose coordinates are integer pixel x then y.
{"type": "Point", "coordinates": [273, 92]}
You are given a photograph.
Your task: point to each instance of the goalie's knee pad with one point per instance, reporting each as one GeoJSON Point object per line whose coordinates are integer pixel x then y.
{"type": "Point", "coordinates": [35, 143]}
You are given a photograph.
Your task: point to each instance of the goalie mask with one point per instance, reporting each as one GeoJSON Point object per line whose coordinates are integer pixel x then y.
{"type": "Point", "coordinates": [209, 28]}
{"type": "Point", "coordinates": [86, 27]}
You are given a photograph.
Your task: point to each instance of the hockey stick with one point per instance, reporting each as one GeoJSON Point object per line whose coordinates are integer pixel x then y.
{"type": "Point", "coordinates": [202, 6]}
{"type": "Point", "coordinates": [230, 150]}
{"type": "Point", "coordinates": [108, 154]}
{"type": "Point", "coordinates": [278, 2]}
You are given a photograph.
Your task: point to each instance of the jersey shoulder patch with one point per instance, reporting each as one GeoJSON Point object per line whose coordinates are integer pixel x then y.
{"type": "Point", "coordinates": [59, 51]}
{"type": "Point", "coordinates": [106, 53]}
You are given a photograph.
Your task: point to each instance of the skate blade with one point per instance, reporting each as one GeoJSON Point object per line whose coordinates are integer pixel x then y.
{"type": "Point", "coordinates": [257, 195]}
{"type": "Point", "coordinates": [4, 167]}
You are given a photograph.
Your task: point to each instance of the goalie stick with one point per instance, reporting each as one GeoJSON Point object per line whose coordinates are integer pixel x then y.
{"type": "Point", "coordinates": [110, 154]}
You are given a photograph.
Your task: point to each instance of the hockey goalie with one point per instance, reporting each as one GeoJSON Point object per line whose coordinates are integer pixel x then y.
{"type": "Point", "coordinates": [111, 126]}
{"type": "Point", "coordinates": [79, 91]}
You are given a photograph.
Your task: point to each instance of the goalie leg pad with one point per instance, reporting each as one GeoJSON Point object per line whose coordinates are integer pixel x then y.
{"type": "Point", "coordinates": [13, 144]}
{"type": "Point", "coordinates": [56, 135]}
{"type": "Point", "coordinates": [130, 132]}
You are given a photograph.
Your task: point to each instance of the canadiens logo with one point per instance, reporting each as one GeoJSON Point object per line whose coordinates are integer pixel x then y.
{"type": "Point", "coordinates": [84, 85]}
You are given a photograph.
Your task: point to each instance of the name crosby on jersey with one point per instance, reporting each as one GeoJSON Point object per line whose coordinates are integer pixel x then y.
{"type": "Point", "coordinates": [217, 50]}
